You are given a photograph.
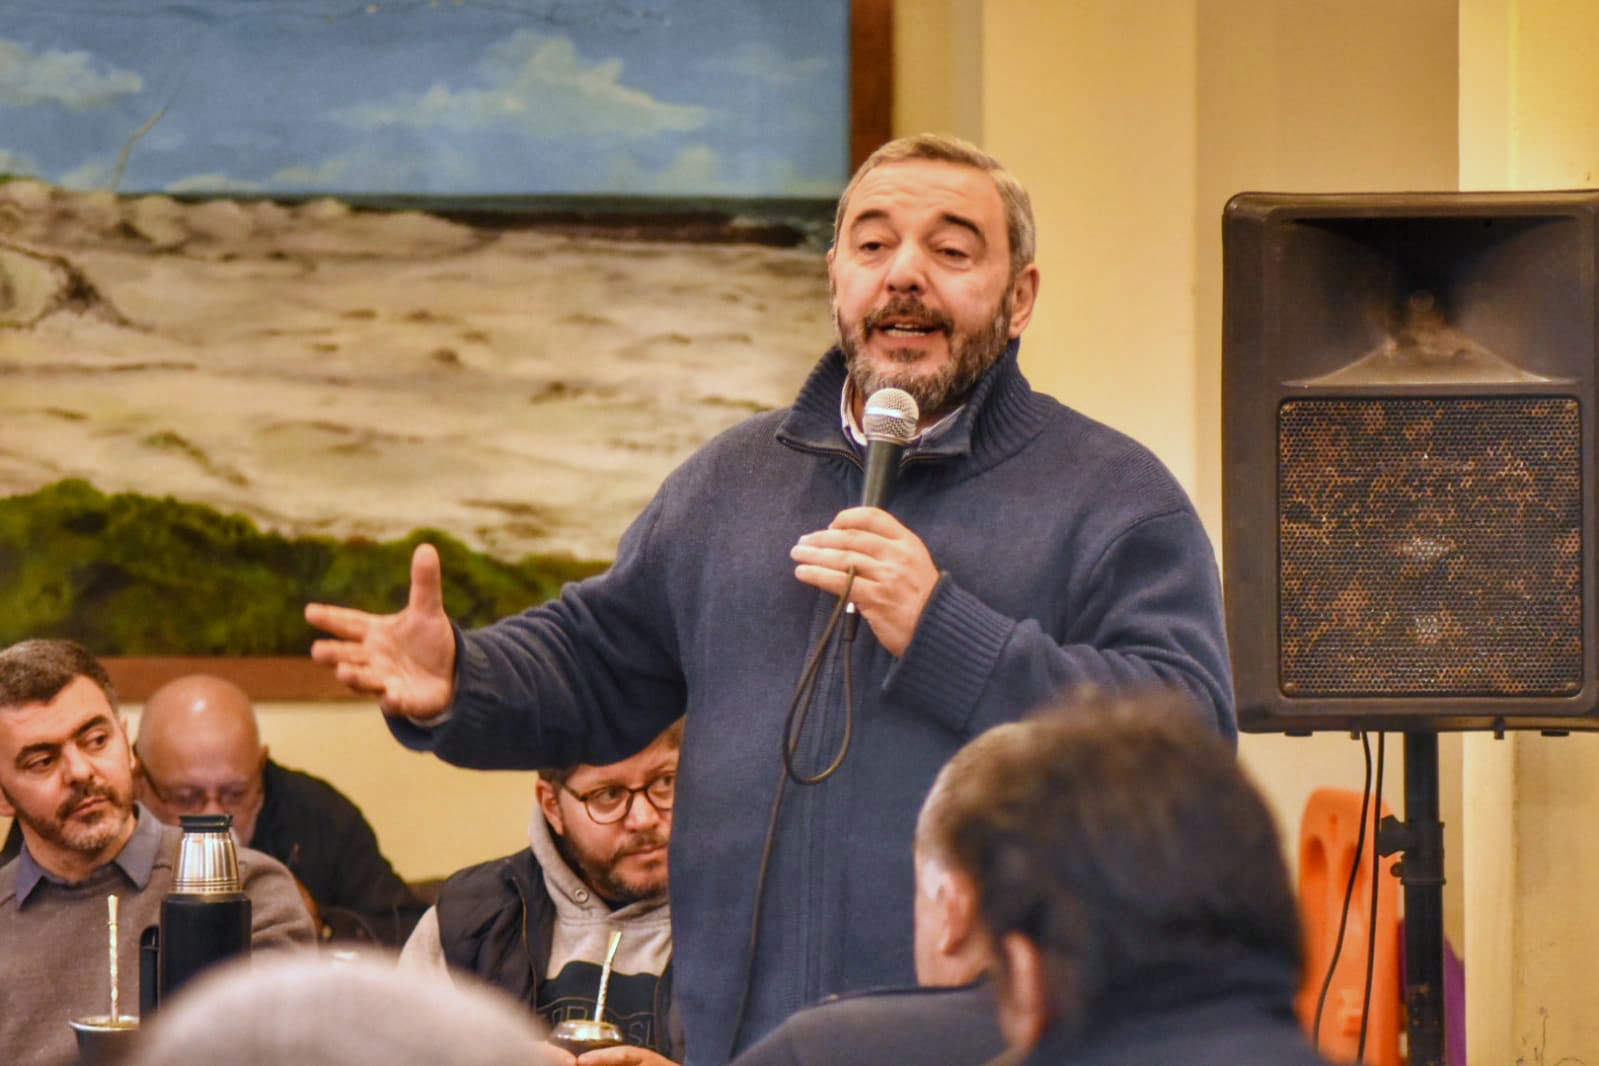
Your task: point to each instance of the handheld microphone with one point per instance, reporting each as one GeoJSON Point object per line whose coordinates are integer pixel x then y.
{"type": "Point", "coordinates": [889, 422]}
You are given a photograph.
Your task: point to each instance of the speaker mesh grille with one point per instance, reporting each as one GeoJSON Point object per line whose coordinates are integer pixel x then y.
{"type": "Point", "coordinates": [1430, 547]}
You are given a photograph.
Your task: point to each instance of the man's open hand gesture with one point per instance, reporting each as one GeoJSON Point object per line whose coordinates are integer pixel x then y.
{"type": "Point", "coordinates": [406, 660]}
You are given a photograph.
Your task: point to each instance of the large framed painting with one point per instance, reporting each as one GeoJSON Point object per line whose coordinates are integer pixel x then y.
{"type": "Point", "coordinates": [288, 287]}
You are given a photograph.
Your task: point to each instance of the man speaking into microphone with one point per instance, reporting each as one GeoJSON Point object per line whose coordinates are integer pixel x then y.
{"type": "Point", "coordinates": [1024, 549]}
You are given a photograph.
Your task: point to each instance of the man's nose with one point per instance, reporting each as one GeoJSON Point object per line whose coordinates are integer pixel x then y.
{"type": "Point", "coordinates": [213, 804]}
{"type": "Point", "coordinates": [642, 813]}
{"type": "Point", "coordinates": [77, 765]}
{"type": "Point", "coordinates": [907, 270]}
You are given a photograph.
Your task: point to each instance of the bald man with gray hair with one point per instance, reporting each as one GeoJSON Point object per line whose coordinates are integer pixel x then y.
{"type": "Point", "coordinates": [200, 752]}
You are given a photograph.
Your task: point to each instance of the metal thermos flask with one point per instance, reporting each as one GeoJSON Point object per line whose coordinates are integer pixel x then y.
{"type": "Point", "coordinates": [205, 917]}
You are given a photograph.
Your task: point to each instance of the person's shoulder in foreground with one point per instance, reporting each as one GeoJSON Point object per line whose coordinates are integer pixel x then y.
{"type": "Point", "coordinates": [925, 1025]}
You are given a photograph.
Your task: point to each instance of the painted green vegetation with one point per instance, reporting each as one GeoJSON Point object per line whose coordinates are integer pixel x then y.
{"type": "Point", "coordinates": [137, 575]}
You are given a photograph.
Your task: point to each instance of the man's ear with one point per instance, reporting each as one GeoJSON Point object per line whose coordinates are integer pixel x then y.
{"type": "Point", "coordinates": [1024, 296]}
{"type": "Point", "coordinates": [1023, 991]}
{"type": "Point", "coordinates": [5, 806]}
{"type": "Point", "coordinates": [133, 754]}
{"type": "Point", "coordinates": [552, 810]}
{"type": "Point", "coordinates": [956, 895]}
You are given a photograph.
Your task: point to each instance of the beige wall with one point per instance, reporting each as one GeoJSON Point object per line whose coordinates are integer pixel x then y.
{"type": "Point", "coordinates": [431, 818]}
{"type": "Point", "coordinates": [1092, 105]}
{"type": "Point", "coordinates": [1530, 120]}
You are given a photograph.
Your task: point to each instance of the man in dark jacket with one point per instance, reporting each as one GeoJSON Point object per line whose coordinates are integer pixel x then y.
{"type": "Point", "coordinates": [1026, 548]}
{"type": "Point", "coordinates": [539, 923]}
{"type": "Point", "coordinates": [1133, 886]}
{"type": "Point", "coordinates": [200, 752]}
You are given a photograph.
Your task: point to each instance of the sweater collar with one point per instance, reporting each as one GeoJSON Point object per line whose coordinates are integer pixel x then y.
{"type": "Point", "coordinates": [998, 417]}
{"type": "Point", "coordinates": [136, 860]}
{"type": "Point", "coordinates": [1224, 992]}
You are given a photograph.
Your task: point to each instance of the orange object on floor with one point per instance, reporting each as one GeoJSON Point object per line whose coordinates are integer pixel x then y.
{"type": "Point", "coordinates": [1328, 835]}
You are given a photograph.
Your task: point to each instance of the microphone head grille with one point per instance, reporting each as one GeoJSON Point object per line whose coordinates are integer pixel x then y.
{"type": "Point", "coordinates": [890, 415]}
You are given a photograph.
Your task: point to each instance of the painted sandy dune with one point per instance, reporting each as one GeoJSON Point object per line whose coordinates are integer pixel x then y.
{"type": "Point", "coordinates": [325, 370]}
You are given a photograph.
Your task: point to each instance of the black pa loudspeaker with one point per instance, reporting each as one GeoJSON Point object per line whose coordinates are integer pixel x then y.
{"type": "Point", "coordinates": [1408, 460]}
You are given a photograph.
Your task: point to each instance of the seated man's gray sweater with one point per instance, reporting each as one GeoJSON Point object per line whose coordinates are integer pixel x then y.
{"type": "Point", "coordinates": [54, 960]}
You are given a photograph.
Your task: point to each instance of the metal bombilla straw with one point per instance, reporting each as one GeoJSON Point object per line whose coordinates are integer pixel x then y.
{"type": "Point", "coordinates": [605, 975]}
{"type": "Point", "coordinates": [578, 1035]}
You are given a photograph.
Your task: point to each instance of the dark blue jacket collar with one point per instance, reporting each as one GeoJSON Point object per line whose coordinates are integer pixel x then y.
{"type": "Point", "coordinates": [1001, 415]}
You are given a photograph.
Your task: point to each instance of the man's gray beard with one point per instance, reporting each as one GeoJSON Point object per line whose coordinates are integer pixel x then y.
{"type": "Point", "coordinates": [971, 357]}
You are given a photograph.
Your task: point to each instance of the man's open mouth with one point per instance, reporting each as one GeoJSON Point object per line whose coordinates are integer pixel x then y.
{"type": "Point", "coordinates": [902, 326]}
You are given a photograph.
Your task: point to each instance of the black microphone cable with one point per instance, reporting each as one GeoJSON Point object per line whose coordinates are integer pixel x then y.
{"type": "Point", "coordinates": [890, 422]}
{"type": "Point", "coordinates": [1371, 925]}
{"type": "Point", "coordinates": [1349, 892]}
{"type": "Point", "coordinates": [889, 419]}
{"type": "Point", "coordinates": [793, 724]}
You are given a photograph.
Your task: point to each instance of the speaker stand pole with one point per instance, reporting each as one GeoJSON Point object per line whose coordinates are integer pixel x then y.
{"type": "Point", "coordinates": [1421, 871]}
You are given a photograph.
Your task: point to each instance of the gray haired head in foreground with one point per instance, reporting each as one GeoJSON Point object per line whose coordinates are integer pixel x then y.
{"type": "Point", "coordinates": [313, 1010]}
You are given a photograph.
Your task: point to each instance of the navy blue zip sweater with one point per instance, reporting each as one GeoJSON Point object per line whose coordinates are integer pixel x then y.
{"type": "Point", "coordinates": [1068, 554]}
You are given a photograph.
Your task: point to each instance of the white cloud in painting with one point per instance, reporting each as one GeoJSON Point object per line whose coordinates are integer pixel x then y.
{"type": "Point", "coordinates": [321, 175]}
{"type": "Point", "coordinates": [211, 183]}
{"type": "Point", "coordinates": [780, 175]}
{"type": "Point", "coordinates": [761, 62]}
{"type": "Point", "coordinates": [367, 169]}
{"type": "Point", "coordinates": [540, 85]}
{"type": "Point", "coordinates": [90, 174]}
{"type": "Point", "coordinates": [700, 170]}
{"type": "Point", "coordinates": [696, 169]}
{"type": "Point", "coordinates": [29, 78]}
{"type": "Point", "coordinates": [17, 165]}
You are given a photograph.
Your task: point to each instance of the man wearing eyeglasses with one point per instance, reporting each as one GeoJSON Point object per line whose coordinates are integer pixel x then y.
{"type": "Point", "coordinates": [538, 923]}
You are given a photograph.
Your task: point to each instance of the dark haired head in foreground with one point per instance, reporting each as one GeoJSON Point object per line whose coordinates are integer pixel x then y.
{"type": "Point", "coordinates": [1133, 884]}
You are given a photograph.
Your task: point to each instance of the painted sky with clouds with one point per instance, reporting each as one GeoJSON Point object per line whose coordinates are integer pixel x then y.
{"type": "Point", "coordinates": [439, 97]}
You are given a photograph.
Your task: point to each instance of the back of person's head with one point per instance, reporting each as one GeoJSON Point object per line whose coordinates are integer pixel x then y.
{"type": "Point", "coordinates": [310, 1010]}
{"type": "Point", "coordinates": [35, 671]}
{"type": "Point", "coordinates": [1119, 836]}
